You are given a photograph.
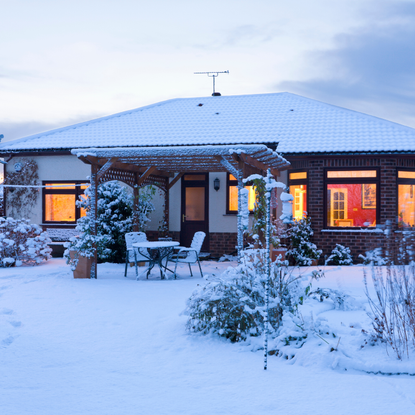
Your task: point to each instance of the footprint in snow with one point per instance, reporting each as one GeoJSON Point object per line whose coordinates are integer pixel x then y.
{"type": "Point", "coordinates": [7, 341]}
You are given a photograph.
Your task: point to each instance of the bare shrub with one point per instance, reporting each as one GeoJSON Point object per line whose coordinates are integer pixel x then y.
{"type": "Point", "coordinates": [393, 307]}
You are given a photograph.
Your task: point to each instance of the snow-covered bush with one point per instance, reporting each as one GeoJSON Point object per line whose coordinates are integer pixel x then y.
{"type": "Point", "coordinates": [233, 304]}
{"type": "Point", "coordinates": [301, 250]}
{"type": "Point", "coordinates": [114, 220]}
{"type": "Point", "coordinates": [340, 255]}
{"type": "Point", "coordinates": [374, 257]}
{"type": "Point", "coordinates": [22, 242]}
{"type": "Point", "coordinates": [393, 306]}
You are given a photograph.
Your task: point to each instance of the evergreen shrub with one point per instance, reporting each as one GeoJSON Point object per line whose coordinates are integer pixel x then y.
{"type": "Point", "coordinates": [232, 305]}
{"type": "Point", "coordinates": [340, 255]}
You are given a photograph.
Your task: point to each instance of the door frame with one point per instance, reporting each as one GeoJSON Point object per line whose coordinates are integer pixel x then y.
{"type": "Point", "coordinates": [195, 183]}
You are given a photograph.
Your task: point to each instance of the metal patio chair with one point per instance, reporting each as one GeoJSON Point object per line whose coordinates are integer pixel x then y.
{"type": "Point", "coordinates": [133, 255]}
{"type": "Point", "coordinates": [189, 255]}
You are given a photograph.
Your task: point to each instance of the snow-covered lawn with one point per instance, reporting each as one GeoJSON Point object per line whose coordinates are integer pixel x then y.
{"type": "Point", "coordinates": [119, 346]}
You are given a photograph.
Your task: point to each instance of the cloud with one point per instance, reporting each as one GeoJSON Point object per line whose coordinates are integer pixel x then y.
{"type": "Point", "coordinates": [15, 130]}
{"type": "Point", "coordinates": [245, 36]}
{"type": "Point", "coordinates": [372, 67]}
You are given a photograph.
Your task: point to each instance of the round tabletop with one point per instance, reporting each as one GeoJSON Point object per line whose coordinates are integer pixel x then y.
{"type": "Point", "coordinates": [155, 244]}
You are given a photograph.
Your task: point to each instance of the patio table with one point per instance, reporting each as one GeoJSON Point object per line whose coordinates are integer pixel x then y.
{"type": "Point", "coordinates": [156, 252]}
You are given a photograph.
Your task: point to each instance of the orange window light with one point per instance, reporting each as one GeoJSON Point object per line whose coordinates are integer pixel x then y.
{"type": "Point", "coordinates": [298, 175]}
{"type": "Point", "coordinates": [351, 174]}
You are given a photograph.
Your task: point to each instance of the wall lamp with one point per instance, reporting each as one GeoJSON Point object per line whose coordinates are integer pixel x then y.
{"type": "Point", "coordinates": [216, 184]}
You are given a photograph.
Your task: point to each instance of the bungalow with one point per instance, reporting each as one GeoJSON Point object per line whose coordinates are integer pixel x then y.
{"type": "Point", "coordinates": [349, 171]}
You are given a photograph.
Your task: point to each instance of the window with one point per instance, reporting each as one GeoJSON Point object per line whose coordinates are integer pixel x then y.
{"type": "Point", "coordinates": [233, 195]}
{"type": "Point", "coordinates": [352, 198]}
{"type": "Point", "coordinates": [59, 201]}
{"type": "Point", "coordinates": [297, 182]}
{"type": "Point", "coordinates": [406, 198]}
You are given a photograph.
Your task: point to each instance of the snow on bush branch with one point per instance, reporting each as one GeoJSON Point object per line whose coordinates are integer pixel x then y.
{"type": "Point", "coordinates": [22, 242]}
{"type": "Point", "coordinates": [233, 304]}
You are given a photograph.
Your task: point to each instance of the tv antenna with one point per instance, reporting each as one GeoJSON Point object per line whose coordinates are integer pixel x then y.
{"type": "Point", "coordinates": [212, 75]}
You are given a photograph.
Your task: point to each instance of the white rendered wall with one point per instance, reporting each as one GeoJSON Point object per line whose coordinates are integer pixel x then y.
{"type": "Point", "coordinates": [53, 168]}
{"type": "Point", "coordinates": [175, 203]}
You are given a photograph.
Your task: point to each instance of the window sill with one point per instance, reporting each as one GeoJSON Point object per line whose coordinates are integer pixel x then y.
{"type": "Point", "coordinates": [235, 214]}
{"type": "Point", "coordinates": [368, 230]}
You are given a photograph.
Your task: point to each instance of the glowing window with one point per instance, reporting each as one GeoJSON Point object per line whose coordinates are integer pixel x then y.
{"type": "Point", "coordinates": [351, 174]}
{"type": "Point", "coordinates": [298, 175]}
{"type": "Point", "coordinates": [406, 198]}
{"type": "Point", "coordinates": [351, 204]}
{"type": "Point", "coordinates": [298, 188]}
{"type": "Point", "coordinates": [300, 200]}
{"type": "Point", "coordinates": [233, 195]}
{"type": "Point", "coordinates": [406, 174]}
{"type": "Point", "coordinates": [59, 201]}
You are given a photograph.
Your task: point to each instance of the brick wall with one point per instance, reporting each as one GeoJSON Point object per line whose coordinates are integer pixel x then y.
{"type": "Point", "coordinates": [358, 241]}
{"type": "Point", "coordinates": [222, 243]}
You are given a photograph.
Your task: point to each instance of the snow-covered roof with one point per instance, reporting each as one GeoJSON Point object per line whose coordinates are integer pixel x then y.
{"type": "Point", "coordinates": [297, 124]}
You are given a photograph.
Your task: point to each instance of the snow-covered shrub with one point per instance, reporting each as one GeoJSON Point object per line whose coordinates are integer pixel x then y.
{"type": "Point", "coordinates": [393, 306]}
{"type": "Point", "coordinates": [301, 250]}
{"type": "Point", "coordinates": [22, 242]}
{"type": "Point", "coordinates": [374, 257]}
{"type": "Point", "coordinates": [114, 220]}
{"type": "Point", "coordinates": [233, 304]}
{"type": "Point", "coordinates": [340, 255]}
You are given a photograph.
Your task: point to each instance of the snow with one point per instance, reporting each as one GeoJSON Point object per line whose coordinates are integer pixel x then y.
{"type": "Point", "coordinates": [119, 346]}
{"type": "Point", "coordinates": [297, 124]}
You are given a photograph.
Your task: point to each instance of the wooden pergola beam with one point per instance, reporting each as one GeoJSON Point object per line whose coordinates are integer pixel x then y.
{"type": "Point", "coordinates": [106, 167]}
{"type": "Point", "coordinates": [144, 176]}
{"type": "Point", "coordinates": [174, 181]}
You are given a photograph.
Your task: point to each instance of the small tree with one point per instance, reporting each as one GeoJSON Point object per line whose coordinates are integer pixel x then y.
{"type": "Point", "coordinates": [302, 251]}
{"type": "Point", "coordinates": [114, 220]}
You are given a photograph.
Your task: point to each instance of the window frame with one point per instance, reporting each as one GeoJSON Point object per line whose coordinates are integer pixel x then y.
{"type": "Point", "coordinates": [77, 192]}
{"type": "Point", "coordinates": [402, 181]}
{"type": "Point", "coordinates": [350, 180]}
{"type": "Point", "coordinates": [299, 182]}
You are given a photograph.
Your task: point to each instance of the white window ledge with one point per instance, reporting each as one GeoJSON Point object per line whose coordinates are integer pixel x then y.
{"type": "Point", "coordinates": [354, 230]}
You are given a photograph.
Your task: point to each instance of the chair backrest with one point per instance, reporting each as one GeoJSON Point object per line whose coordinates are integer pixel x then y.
{"type": "Point", "coordinates": [197, 241]}
{"type": "Point", "coordinates": [133, 237]}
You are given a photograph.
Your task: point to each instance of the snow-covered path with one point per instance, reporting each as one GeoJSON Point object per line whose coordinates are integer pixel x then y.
{"type": "Point", "coordinates": [118, 346]}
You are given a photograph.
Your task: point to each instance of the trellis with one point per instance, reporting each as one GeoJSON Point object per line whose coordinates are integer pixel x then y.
{"type": "Point", "coordinates": [164, 166]}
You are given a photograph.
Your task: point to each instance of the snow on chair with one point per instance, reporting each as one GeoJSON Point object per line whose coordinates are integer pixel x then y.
{"type": "Point", "coordinates": [189, 255]}
{"type": "Point", "coordinates": [134, 254]}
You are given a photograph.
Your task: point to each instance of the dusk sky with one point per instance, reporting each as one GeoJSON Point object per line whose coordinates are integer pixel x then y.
{"type": "Point", "coordinates": [65, 62]}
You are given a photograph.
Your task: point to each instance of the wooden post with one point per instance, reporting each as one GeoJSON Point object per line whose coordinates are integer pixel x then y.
{"type": "Point", "coordinates": [240, 245]}
{"type": "Point", "coordinates": [136, 219]}
{"type": "Point", "coordinates": [167, 206]}
{"type": "Point", "coordinates": [94, 213]}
